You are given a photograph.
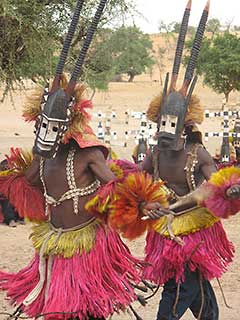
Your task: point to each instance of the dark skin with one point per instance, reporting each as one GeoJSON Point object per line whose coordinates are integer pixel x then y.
{"type": "Point", "coordinates": [172, 164]}
{"type": "Point", "coordinates": [89, 164]}
{"type": "Point", "coordinates": [171, 169]}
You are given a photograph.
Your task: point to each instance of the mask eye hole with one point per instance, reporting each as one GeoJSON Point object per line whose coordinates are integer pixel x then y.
{"type": "Point", "coordinates": [44, 125]}
{"type": "Point", "coordinates": [163, 122]}
{"type": "Point", "coordinates": [173, 124]}
{"type": "Point", "coordinates": [55, 129]}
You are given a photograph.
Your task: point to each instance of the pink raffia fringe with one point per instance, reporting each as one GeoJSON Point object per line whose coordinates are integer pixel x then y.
{"type": "Point", "coordinates": [125, 165]}
{"type": "Point", "coordinates": [95, 283]}
{"type": "Point", "coordinates": [207, 250]}
{"type": "Point", "coordinates": [217, 202]}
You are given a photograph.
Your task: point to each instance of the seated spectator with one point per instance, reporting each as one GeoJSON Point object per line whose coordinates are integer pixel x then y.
{"type": "Point", "coordinates": [10, 215]}
{"type": "Point", "coordinates": [8, 212]}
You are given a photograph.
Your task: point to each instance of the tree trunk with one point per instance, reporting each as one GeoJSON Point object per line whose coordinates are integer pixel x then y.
{"type": "Point", "coordinates": [93, 94]}
{"type": "Point", "coordinates": [131, 77]}
{"type": "Point", "coordinates": [227, 96]}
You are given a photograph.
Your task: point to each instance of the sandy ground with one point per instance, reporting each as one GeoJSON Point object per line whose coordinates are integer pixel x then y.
{"type": "Point", "coordinates": [15, 247]}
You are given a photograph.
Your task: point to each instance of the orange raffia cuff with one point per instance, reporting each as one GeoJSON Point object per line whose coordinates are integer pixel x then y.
{"type": "Point", "coordinates": [124, 214]}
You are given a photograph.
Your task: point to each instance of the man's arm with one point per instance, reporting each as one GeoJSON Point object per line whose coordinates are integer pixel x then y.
{"type": "Point", "coordinates": [32, 173]}
{"type": "Point", "coordinates": [98, 165]}
{"type": "Point", "coordinates": [207, 165]}
{"type": "Point", "coordinates": [147, 164]}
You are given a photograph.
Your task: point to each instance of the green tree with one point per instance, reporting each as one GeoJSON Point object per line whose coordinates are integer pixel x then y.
{"type": "Point", "coordinates": [236, 28]}
{"type": "Point", "coordinates": [99, 64]}
{"type": "Point", "coordinates": [219, 64]}
{"type": "Point", "coordinates": [159, 58]}
{"type": "Point", "coordinates": [176, 28]}
{"type": "Point", "coordinates": [32, 33]}
{"type": "Point", "coordinates": [213, 26]}
{"type": "Point", "coordinates": [168, 32]}
{"type": "Point", "coordinates": [130, 51]}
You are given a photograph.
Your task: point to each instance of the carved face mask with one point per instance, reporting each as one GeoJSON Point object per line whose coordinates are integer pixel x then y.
{"type": "Point", "coordinates": [53, 122]}
{"type": "Point", "coordinates": [171, 123]}
{"type": "Point", "coordinates": [141, 150]}
{"type": "Point", "coordinates": [55, 115]}
{"type": "Point", "coordinates": [236, 139]}
{"type": "Point", "coordinates": [174, 105]}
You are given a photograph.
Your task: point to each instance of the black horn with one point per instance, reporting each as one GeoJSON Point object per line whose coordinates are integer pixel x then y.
{"type": "Point", "coordinates": [195, 49]}
{"type": "Point", "coordinates": [78, 66]}
{"type": "Point", "coordinates": [180, 45]}
{"type": "Point", "coordinates": [66, 44]}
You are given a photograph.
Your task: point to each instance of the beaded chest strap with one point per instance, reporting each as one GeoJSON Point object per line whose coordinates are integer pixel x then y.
{"type": "Point", "coordinates": [73, 192]}
{"type": "Point", "coordinates": [192, 161]}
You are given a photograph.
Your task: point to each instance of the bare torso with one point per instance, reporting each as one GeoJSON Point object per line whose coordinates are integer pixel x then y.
{"type": "Point", "coordinates": [171, 166]}
{"type": "Point", "coordinates": [89, 165]}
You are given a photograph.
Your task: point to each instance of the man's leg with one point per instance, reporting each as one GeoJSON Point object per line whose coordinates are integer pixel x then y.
{"type": "Point", "coordinates": [188, 291]}
{"type": "Point", "coordinates": [210, 307]}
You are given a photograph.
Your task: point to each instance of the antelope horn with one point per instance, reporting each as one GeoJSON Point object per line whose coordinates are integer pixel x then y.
{"type": "Point", "coordinates": [180, 45]}
{"type": "Point", "coordinates": [66, 45]}
{"type": "Point", "coordinates": [78, 66]}
{"type": "Point", "coordinates": [195, 50]}
{"type": "Point", "coordinates": [163, 98]}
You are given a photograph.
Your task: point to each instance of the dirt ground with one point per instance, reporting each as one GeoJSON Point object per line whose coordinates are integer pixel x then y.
{"type": "Point", "coordinates": [15, 247]}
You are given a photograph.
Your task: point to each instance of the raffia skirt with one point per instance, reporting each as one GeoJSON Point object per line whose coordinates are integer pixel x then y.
{"type": "Point", "coordinates": [77, 272]}
{"type": "Point", "coordinates": [205, 248]}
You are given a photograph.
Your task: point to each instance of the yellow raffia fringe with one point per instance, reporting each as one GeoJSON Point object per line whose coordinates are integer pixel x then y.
{"type": "Point", "coordinates": [190, 222]}
{"type": "Point", "coordinates": [118, 172]}
{"type": "Point", "coordinates": [99, 205]}
{"type": "Point", "coordinates": [6, 172]}
{"type": "Point", "coordinates": [220, 177]}
{"type": "Point", "coordinates": [113, 154]}
{"type": "Point", "coordinates": [68, 243]}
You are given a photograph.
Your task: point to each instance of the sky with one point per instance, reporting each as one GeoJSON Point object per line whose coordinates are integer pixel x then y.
{"type": "Point", "coordinates": [172, 10]}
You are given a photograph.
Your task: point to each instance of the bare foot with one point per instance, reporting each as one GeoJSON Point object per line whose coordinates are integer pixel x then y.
{"type": "Point", "coordinates": [12, 224]}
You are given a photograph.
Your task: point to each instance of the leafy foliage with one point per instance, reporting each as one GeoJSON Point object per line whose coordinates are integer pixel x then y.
{"type": "Point", "coordinates": [131, 51]}
{"type": "Point", "coordinates": [32, 33]}
{"type": "Point", "coordinates": [99, 65]}
{"type": "Point", "coordinates": [190, 31]}
{"type": "Point", "coordinates": [219, 63]}
{"type": "Point", "coordinates": [213, 26]}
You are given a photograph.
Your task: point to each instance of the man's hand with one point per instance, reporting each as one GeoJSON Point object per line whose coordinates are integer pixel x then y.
{"type": "Point", "coordinates": [153, 210]}
{"type": "Point", "coordinates": [233, 192]}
